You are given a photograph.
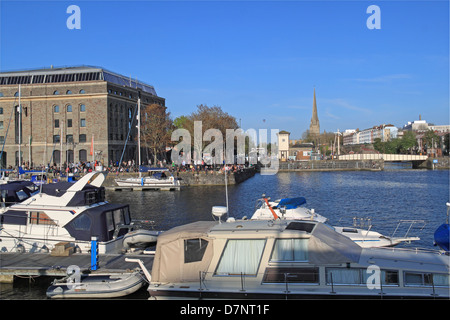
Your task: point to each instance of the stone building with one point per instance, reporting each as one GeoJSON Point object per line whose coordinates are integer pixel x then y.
{"type": "Point", "coordinates": [64, 110]}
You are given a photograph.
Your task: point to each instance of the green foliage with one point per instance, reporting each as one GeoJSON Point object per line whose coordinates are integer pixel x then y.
{"type": "Point", "coordinates": [397, 146]}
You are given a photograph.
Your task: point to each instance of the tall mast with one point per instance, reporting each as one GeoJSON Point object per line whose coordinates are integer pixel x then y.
{"type": "Point", "coordinates": [139, 134]}
{"type": "Point", "coordinates": [19, 110]}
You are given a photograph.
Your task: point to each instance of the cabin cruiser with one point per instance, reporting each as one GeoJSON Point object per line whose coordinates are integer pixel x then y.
{"type": "Point", "coordinates": [157, 178]}
{"type": "Point", "coordinates": [68, 212]}
{"type": "Point", "coordinates": [288, 259]}
{"type": "Point", "coordinates": [290, 209]}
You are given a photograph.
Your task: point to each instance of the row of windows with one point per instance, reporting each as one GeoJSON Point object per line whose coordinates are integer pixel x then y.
{"type": "Point", "coordinates": [69, 138]}
{"type": "Point", "coordinates": [69, 108]}
{"type": "Point", "coordinates": [56, 92]}
{"type": "Point", "coordinates": [49, 78]}
{"type": "Point", "coordinates": [353, 276]}
{"type": "Point", "coordinates": [69, 123]}
{"type": "Point", "coordinates": [56, 108]}
{"type": "Point", "coordinates": [243, 256]}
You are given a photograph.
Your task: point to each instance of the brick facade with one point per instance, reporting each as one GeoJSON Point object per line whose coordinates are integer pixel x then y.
{"type": "Point", "coordinates": [74, 111]}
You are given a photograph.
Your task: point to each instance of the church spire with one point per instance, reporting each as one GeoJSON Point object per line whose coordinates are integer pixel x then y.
{"type": "Point", "coordinates": [314, 127]}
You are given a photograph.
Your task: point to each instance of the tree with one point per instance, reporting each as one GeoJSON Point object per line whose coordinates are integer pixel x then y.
{"type": "Point", "coordinates": [408, 141]}
{"type": "Point", "coordinates": [156, 128]}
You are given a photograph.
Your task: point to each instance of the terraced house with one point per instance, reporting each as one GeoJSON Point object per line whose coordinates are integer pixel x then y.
{"type": "Point", "coordinates": [70, 114]}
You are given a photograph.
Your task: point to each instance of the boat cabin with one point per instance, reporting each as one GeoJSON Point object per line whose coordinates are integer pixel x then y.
{"type": "Point", "coordinates": [285, 259]}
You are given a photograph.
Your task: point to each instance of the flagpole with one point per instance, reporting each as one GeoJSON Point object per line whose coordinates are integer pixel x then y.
{"type": "Point", "coordinates": [20, 116]}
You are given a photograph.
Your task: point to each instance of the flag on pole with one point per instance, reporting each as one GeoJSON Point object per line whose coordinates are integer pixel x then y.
{"type": "Point", "coordinates": [92, 146]}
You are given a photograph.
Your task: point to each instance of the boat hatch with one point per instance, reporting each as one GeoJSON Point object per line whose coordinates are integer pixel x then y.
{"type": "Point", "coordinates": [301, 226]}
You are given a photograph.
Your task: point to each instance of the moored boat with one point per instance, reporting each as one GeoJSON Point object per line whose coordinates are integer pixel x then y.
{"type": "Point", "coordinates": [288, 259]}
{"type": "Point", "coordinates": [291, 209]}
{"type": "Point", "coordinates": [96, 285]}
{"type": "Point", "coordinates": [66, 212]}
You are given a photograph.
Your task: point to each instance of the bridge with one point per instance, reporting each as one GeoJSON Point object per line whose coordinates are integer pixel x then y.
{"type": "Point", "coordinates": [385, 157]}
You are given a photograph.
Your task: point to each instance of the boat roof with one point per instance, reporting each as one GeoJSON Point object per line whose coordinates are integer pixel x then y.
{"type": "Point", "coordinates": [16, 185]}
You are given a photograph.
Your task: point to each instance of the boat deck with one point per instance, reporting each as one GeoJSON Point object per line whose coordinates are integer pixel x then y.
{"type": "Point", "coordinates": [43, 264]}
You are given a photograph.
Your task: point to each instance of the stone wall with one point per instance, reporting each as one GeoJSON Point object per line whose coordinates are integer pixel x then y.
{"type": "Point", "coordinates": [201, 178]}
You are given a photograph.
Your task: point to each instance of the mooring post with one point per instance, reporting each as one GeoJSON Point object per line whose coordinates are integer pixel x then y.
{"type": "Point", "coordinates": [94, 253]}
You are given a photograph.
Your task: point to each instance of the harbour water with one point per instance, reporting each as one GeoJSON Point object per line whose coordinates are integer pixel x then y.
{"type": "Point", "coordinates": [386, 197]}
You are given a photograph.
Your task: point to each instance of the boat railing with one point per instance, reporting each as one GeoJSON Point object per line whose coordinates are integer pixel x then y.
{"type": "Point", "coordinates": [291, 281]}
{"type": "Point", "coordinates": [413, 224]}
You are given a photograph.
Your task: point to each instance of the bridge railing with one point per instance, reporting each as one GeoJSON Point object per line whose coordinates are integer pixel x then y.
{"type": "Point", "coordinates": [385, 157]}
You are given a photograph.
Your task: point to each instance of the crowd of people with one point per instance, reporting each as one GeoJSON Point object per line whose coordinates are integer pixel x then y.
{"type": "Point", "coordinates": [81, 168]}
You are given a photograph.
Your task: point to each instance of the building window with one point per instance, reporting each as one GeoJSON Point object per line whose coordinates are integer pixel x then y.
{"type": "Point", "coordinates": [68, 92]}
{"type": "Point", "coordinates": [82, 91]}
{"type": "Point", "coordinates": [69, 138]}
{"type": "Point", "coordinates": [69, 123]}
{"type": "Point", "coordinates": [1, 94]}
{"type": "Point", "coordinates": [82, 122]}
{"type": "Point", "coordinates": [55, 92]}
{"type": "Point", "coordinates": [82, 155]}
{"type": "Point", "coordinates": [1, 110]}
{"type": "Point", "coordinates": [69, 108]}
{"type": "Point", "coordinates": [82, 138]}
{"type": "Point", "coordinates": [82, 107]}
{"type": "Point", "coordinates": [56, 108]}
{"type": "Point", "coordinates": [56, 139]}
{"type": "Point", "coordinates": [2, 139]}
{"type": "Point", "coordinates": [56, 123]}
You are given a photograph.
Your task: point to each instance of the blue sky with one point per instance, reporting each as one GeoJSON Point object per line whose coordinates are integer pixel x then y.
{"type": "Point", "coordinates": [259, 60]}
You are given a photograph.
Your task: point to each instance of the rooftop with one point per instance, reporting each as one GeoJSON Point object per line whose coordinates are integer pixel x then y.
{"type": "Point", "coordinates": [71, 74]}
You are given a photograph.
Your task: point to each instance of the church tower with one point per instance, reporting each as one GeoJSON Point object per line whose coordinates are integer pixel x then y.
{"type": "Point", "coordinates": [314, 127]}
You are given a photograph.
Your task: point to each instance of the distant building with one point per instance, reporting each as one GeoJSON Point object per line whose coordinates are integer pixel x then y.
{"type": "Point", "coordinates": [314, 127]}
{"type": "Point", "coordinates": [384, 132]}
{"type": "Point", "coordinates": [64, 109]}
{"type": "Point", "coordinates": [301, 151]}
{"type": "Point", "coordinates": [283, 145]}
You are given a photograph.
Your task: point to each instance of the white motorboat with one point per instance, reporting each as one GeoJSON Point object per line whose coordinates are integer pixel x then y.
{"type": "Point", "coordinates": [288, 259]}
{"type": "Point", "coordinates": [96, 285]}
{"type": "Point", "coordinates": [66, 212]}
{"type": "Point", "coordinates": [157, 178]}
{"type": "Point", "coordinates": [290, 209]}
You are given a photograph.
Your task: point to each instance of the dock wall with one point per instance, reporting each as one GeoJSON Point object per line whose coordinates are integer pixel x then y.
{"type": "Point", "coordinates": [332, 165]}
{"type": "Point", "coordinates": [196, 178]}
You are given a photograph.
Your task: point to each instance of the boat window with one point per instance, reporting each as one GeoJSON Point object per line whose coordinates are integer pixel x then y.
{"type": "Point", "coordinates": [126, 215]}
{"type": "Point", "coordinates": [118, 217]}
{"type": "Point", "coordinates": [426, 279]}
{"type": "Point", "coordinates": [41, 218]}
{"type": "Point", "coordinates": [349, 230]}
{"type": "Point", "coordinates": [22, 195]}
{"type": "Point", "coordinates": [441, 280]}
{"type": "Point", "coordinates": [290, 250]}
{"type": "Point", "coordinates": [301, 226]}
{"type": "Point", "coordinates": [358, 276]}
{"type": "Point", "coordinates": [241, 257]}
{"type": "Point", "coordinates": [109, 221]}
{"type": "Point", "coordinates": [194, 249]}
{"type": "Point", "coordinates": [291, 275]}
{"type": "Point", "coordinates": [82, 222]}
